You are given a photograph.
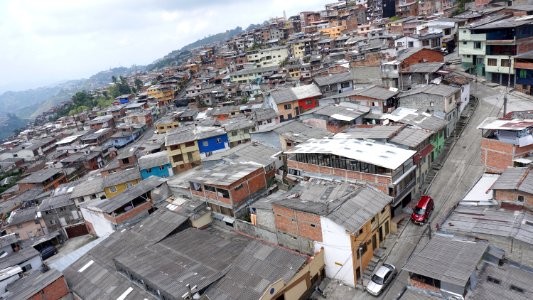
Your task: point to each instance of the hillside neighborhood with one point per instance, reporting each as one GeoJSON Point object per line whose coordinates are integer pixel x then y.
{"type": "Point", "coordinates": [372, 149]}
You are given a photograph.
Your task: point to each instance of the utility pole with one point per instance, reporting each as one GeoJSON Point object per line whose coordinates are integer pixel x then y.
{"type": "Point", "coordinates": [507, 88]}
{"type": "Point", "coordinates": [361, 264]}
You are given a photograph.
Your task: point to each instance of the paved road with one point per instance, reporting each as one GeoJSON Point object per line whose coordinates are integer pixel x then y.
{"type": "Point", "coordinates": [459, 173]}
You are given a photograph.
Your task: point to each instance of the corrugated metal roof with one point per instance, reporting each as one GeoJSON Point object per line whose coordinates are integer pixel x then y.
{"type": "Point", "coordinates": [144, 186]}
{"type": "Point", "coordinates": [411, 137]}
{"type": "Point", "coordinates": [350, 206]}
{"type": "Point", "coordinates": [447, 259]}
{"type": "Point", "coordinates": [122, 176]}
{"type": "Point", "coordinates": [249, 152]}
{"type": "Point", "coordinates": [153, 160]}
{"type": "Point", "coordinates": [32, 284]}
{"type": "Point", "coordinates": [384, 155]}
{"type": "Point", "coordinates": [256, 268]}
{"type": "Point", "coordinates": [376, 132]}
{"type": "Point", "coordinates": [510, 179]}
{"type": "Point", "coordinates": [508, 276]}
{"type": "Point", "coordinates": [295, 93]}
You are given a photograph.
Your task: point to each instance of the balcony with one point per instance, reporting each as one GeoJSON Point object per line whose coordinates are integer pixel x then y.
{"type": "Point", "coordinates": [404, 192]}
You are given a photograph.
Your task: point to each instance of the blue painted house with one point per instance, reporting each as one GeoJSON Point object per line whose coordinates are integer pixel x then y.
{"type": "Point", "coordinates": [211, 140]}
{"type": "Point", "coordinates": [122, 138]}
{"type": "Point", "coordinates": [155, 164]}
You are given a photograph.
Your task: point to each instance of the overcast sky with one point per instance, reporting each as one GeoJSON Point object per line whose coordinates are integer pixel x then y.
{"type": "Point", "coordinates": [47, 41]}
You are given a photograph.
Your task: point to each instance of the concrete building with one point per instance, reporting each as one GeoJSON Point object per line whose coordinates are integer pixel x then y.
{"type": "Point", "coordinates": [228, 189]}
{"type": "Point", "coordinates": [118, 182]}
{"type": "Point", "coordinates": [348, 221]}
{"type": "Point", "coordinates": [505, 142]}
{"type": "Point", "coordinates": [440, 100]}
{"type": "Point", "coordinates": [155, 164]}
{"type": "Point", "coordinates": [489, 46]}
{"type": "Point", "coordinates": [60, 213]}
{"type": "Point", "coordinates": [291, 102]}
{"type": "Point", "coordinates": [388, 168]}
{"type": "Point", "coordinates": [513, 189]}
{"type": "Point", "coordinates": [446, 266]}
{"type": "Point", "coordinates": [103, 217]}
{"type": "Point", "coordinates": [268, 57]}
{"type": "Point", "coordinates": [26, 223]}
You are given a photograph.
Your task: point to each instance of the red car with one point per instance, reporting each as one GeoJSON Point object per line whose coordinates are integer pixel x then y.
{"type": "Point", "coordinates": [423, 210]}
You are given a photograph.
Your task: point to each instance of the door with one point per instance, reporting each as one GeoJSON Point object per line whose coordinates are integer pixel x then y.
{"type": "Point", "coordinates": [374, 242]}
{"type": "Point", "coordinates": [381, 234]}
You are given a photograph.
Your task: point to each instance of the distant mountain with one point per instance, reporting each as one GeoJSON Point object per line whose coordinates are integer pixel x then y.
{"type": "Point", "coordinates": [9, 124]}
{"type": "Point", "coordinates": [180, 56]}
{"type": "Point", "coordinates": [29, 104]}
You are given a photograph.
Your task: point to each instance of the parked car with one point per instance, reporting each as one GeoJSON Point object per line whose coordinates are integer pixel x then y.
{"type": "Point", "coordinates": [381, 279]}
{"type": "Point", "coordinates": [422, 210]}
{"type": "Point", "coordinates": [48, 252]}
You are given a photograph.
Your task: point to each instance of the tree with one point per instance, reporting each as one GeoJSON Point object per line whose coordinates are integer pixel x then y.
{"type": "Point", "coordinates": [114, 79]}
{"type": "Point", "coordinates": [138, 83]}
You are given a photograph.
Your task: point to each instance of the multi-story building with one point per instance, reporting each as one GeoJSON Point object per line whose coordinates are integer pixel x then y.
{"type": "Point", "coordinates": [228, 188]}
{"type": "Point", "coordinates": [488, 47]}
{"type": "Point", "coordinates": [47, 179]}
{"type": "Point", "coordinates": [252, 75]}
{"type": "Point", "coordinates": [384, 166]}
{"type": "Point", "coordinates": [524, 72]}
{"type": "Point", "coordinates": [268, 57]}
{"type": "Point", "coordinates": [238, 130]}
{"type": "Point", "coordinates": [118, 182]}
{"type": "Point", "coordinates": [505, 143]}
{"type": "Point", "coordinates": [291, 102]}
{"type": "Point", "coordinates": [440, 100]}
{"type": "Point", "coordinates": [348, 221]}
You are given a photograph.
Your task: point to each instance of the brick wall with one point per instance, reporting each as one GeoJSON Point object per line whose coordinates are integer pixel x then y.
{"type": "Point", "coordinates": [297, 223]}
{"type": "Point", "coordinates": [129, 214]}
{"type": "Point", "coordinates": [378, 181]}
{"type": "Point", "coordinates": [54, 291]}
{"type": "Point", "coordinates": [422, 285]}
{"type": "Point", "coordinates": [512, 196]}
{"type": "Point", "coordinates": [424, 55]}
{"type": "Point", "coordinates": [496, 156]}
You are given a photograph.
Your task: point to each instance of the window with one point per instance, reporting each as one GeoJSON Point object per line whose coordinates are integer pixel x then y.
{"type": "Point", "coordinates": [479, 60]}
{"type": "Point", "coordinates": [313, 225]}
{"type": "Point", "coordinates": [492, 62]}
{"type": "Point", "coordinates": [240, 186]}
{"type": "Point", "coordinates": [234, 133]}
{"type": "Point", "coordinates": [477, 45]}
{"type": "Point", "coordinates": [522, 74]}
{"type": "Point", "coordinates": [516, 288]}
{"type": "Point", "coordinates": [219, 140]}
{"type": "Point", "coordinates": [464, 43]}
{"type": "Point", "coordinates": [205, 143]}
{"type": "Point", "coordinates": [161, 167]}
{"type": "Point", "coordinates": [493, 280]}
{"type": "Point", "coordinates": [129, 184]}
{"type": "Point", "coordinates": [520, 198]}
{"type": "Point", "coordinates": [410, 44]}
{"type": "Point", "coordinates": [113, 189]}
{"type": "Point", "coordinates": [287, 106]}
{"type": "Point", "coordinates": [360, 231]}
{"type": "Point", "coordinates": [309, 102]}
{"type": "Point", "coordinates": [505, 63]}
{"type": "Point", "coordinates": [26, 268]}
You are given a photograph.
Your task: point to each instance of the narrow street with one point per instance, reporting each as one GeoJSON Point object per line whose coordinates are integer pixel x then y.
{"type": "Point", "coordinates": [458, 174]}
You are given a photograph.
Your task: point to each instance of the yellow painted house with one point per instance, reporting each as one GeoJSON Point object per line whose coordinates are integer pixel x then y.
{"type": "Point", "coordinates": [163, 94]}
{"type": "Point", "coordinates": [166, 124]}
{"type": "Point", "coordinates": [118, 182]}
{"type": "Point", "coordinates": [182, 149]}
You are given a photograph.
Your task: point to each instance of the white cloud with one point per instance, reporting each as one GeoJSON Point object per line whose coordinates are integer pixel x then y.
{"type": "Point", "coordinates": [47, 41]}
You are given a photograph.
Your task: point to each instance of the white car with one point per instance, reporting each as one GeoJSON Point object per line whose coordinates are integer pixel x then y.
{"type": "Point", "coordinates": [381, 278]}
